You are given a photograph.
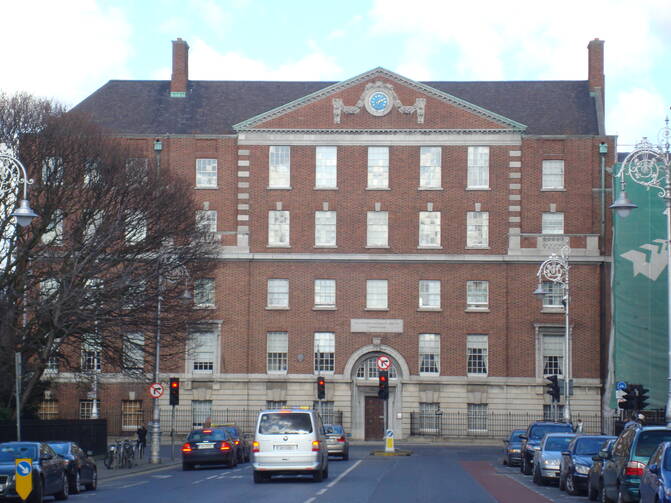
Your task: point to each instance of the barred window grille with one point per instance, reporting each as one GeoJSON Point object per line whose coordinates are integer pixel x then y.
{"type": "Point", "coordinates": [324, 349]}
{"type": "Point", "coordinates": [478, 167]}
{"type": "Point", "coordinates": [48, 409]}
{"type": "Point", "coordinates": [277, 351]}
{"type": "Point", "coordinates": [368, 369]}
{"type": "Point", "coordinates": [325, 292]}
{"type": "Point", "coordinates": [378, 167]}
{"type": "Point", "coordinates": [279, 171]}
{"type": "Point", "coordinates": [201, 411]}
{"type": "Point", "coordinates": [276, 404]}
{"type": "Point", "coordinates": [429, 293]}
{"type": "Point", "coordinates": [477, 417]}
{"type": "Point", "coordinates": [326, 410]}
{"type": "Point", "coordinates": [429, 228]}
{"type": "Point", "coordinates": [429, 167]}
{"type": "Point", "coordinates": [325, 228]}
{"type": "Point", "coordinates": [326, 171]}
{"type": "Point", "coordinates": [553, 354]}
{"type": "Point", "coordinates": [86, 408]}
{"type": "Point", "coordinates": [477, 294]}
{"type": "Point", "coordinates": [278, 293]}
{"type": "Point", "coordinates": [477, 347]}
{"type": "Point", "coordinates": [131, 414]}
{"type": "Point", "coordinates": [548, 412]}
{"type": "Point", "coordinates": [206, 173]}
{"type": "Point", "coordinates": [429, 421]}
{"type": "Point", "coordinates": [377, 229]}
{"type": "Point", "coordinates": [429, 354]}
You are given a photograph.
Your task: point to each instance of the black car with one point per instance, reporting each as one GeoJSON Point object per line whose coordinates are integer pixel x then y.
{"type": "Point", "coordinates": [80, 466]}
{"type": "Point", "coordinates": [576, 461]}
{"type": "Point", "coordinates": [49, 477]}
{"type": "Point", "coordinates": [241, 443]}
{"type": "Point", "coordinates": [531, 440]}
{"type": "Point", "coordinates": [623, 468]}
{"type": "Point", "coordinates": [511, 451]}
{"type": "Point", "coordinates": [594, 481]}
{"type": "Point", "coordinates": [209, 446]}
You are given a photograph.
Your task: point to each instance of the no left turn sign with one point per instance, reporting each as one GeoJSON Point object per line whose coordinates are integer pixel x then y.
{"type": "Point", "coordinates": [383, 362]}
{"type": "Point", "coordinates": [156, 390]}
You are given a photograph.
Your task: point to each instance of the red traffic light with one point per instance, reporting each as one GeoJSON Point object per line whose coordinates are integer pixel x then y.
{"type": "Point", "coordinates": [321, 381]}
{"type": "Point", "coordinates": [383, 378]}
{"type": "Point", "coordinates": [174, 384]}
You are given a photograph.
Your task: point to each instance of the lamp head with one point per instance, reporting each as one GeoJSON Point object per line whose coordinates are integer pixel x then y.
{"type": "Point", "coordinates": [24, 214]}
{"type": "Point", "coordinates": [622, 205]}
{"type": "Point", "coordinates": [539, 292]}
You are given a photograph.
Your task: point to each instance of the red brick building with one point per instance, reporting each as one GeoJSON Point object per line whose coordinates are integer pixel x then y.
{"type": "Point", "coordinates": [382, 216]}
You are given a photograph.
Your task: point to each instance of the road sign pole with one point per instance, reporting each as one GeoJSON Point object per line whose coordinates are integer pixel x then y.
{"type": "Point", "coordinates": [172, 434]}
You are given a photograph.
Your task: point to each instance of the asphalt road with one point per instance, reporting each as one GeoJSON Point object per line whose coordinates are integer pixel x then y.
{"type": "Point", "coordinates": [433, 473]}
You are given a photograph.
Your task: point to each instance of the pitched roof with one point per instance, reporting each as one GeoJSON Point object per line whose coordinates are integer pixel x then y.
{"type": "Point", "coordinates": [213, 107]}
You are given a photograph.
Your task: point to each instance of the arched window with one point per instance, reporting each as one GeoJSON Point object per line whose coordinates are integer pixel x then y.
{"type": "Point", "coordinates": [368, 369]}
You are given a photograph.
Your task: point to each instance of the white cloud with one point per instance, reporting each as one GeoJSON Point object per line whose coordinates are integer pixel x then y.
{"type": "Point", "coordinates": [62, 50]}
{"type": "Point", "coordinates": [637, 112]}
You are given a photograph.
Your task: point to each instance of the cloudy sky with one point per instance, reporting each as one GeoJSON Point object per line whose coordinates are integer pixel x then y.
{"type": "Point", "coordinates": [67, 49]}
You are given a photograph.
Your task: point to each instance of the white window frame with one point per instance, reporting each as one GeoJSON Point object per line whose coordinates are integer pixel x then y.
{"type": "Point", "coordinates": [91, 354]}
{"type": "Point", "coordinates": [553, 295]}
{"type": "Point", "coordinates": [552, 353]}
{"type": "Point", "coordinates": [429, 354]}
{"type": "Point", "coordinates": [429, 294]}
{"type": "Point", "coordinates": [277, 293]}
{"type": "Point", "coordinates": [279, 228]}
{"type": "Point", "coordinates": [277, 352]}
{"type": "Point", "coordinates": [430, 168]}
{"type": "Point", "coordinates": [325, 294]}
{"type": "Point", "coordinates": [204, 293]}
{"type": "Point", "coordinates": [377, 229]}
{"type": "Point", "coordinates": [326, 168]}
{"type": "Point", "coordinates": [206, 221]}
{"type": "Point", "coordinates": [53, 235]}
{"type": "Point", "coordinates": [52, 170]}
{"type": "Point", "coordinates": [477, 229]}
{"type": "Point", "coordinates": [135, 227]}
{"type": "Point", "coordinates": [133, 350]}
{"type": "Point", "coordinates": [429, 229]}
{"type": "Point", "coordinates": [324, 352]}
{"type": "Point", "coordinates": [86, 408]}
{"type": "Point", "coordinates": [325, 229]}
{"type": "Point", "coordinates": [279, 167]}
{"type": "Point", "coordinates": [477, 294]}
{"type": "Point", "coordinates": [477, 355]}
{"type": "Point", "coordinates": [552, 222]}
{"type": "Point", "coordinates": [132, 415]}
{"type": "Point", "coordinates": [378, 168]}
{"type": "Point", "coordinates": [202, 351]}
{"type": "Point", "coordinates": [477, 416]}
{"type": "Point", "coordinates": [377, 294]}
{"type": "Point", "coordinates": [201, 412]}
{"type": "Point", "coordinates": [478, 168]}
{"type": "Point", "coordinates": [553, 174]}
{"type": "Point", "coordinates": [206, 173]}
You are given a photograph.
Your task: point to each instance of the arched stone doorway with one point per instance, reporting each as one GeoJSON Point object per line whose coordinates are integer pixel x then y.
{"type": "Point", "coordinates": [368, 411]}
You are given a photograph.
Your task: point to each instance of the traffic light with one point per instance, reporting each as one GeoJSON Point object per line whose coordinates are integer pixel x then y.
{"type": "Point", "coordinates": [321, 388]}
{"type": "Point", "coordinates": [642, 398]}
{"type": "Point", "coordinates": [174, 391]}
{"type": "Point", "coordinates": [553, 387]}
{"type": "Point", "coordinates": [630, 397]}
{"type": "Point", "coordinates": [383, 389]}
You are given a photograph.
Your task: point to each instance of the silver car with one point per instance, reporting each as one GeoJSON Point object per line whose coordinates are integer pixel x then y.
{"type": "Point", "coordinates": [547, 458]}
{"type": "Point", "coordinates": [336, 440]}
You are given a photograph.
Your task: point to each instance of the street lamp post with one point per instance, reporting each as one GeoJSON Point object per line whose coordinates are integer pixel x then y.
{"type": "Point", "coordinates": [556, 269]}
{"type": "Point", "coordinates": [649, 165]}
{"type": "Point", "coordinates": [12, 174]}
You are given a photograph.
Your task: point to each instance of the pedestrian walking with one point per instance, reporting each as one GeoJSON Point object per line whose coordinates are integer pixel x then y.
{"type": "Point", "coordinates": [141, 440]}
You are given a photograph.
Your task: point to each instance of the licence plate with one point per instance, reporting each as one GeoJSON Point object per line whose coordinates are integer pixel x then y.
{"type": "Point", "coordinates": [205, 445]}
{"type": "Point", "coordinates": [285, 447]}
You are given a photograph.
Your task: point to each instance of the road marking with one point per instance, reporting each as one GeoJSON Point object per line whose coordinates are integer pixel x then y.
{"type": "Point", "coordinates": [162, 476]}
{"type": "Point", "coordinates": [211, 477]}
{"type": "Point", "coordinates": [134, 484]}
{"type": "Point", "coordinates": [344, 473]}
{"type": "Point", "coordinates": [322, 491]}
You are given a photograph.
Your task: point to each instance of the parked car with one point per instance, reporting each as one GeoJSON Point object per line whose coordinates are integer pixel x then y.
{"type": "Point", "coordinates": [511, 451]}
{"type": "Point", "coordinates": [48, 469]}
{"type": "Point", "coordinates": [548, 456]}
{"type": "Point", "coordinates": [337, 442]}
{"type": "Point", "coordinates": [594, 481]}
{"type": "Point", "coordinates": [289, 441]}
{"type": "Point", "coordinates": [241, 443]}
{"type": "Point", "coordinates": [623, 468]}
{"type": "Point", "coordinates": [576, 461]}
{"type": "Point", "coordinates": [531, 440]}
{"type": "Point", "coordinates": [656, 481]}
{"type": "Point", "coordinates": [209, 446]}
{"type": "Point", "coordinates": [81, 469]}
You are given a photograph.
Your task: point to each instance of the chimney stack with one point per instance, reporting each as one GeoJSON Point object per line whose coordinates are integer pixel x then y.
{"type": "Point", "coordinates": [180, 68]}
{"type": "Point", "coordinates": [596, 77]}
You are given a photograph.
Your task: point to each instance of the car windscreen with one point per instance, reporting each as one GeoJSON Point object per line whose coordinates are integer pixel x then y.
{"type": "Point", "coordinates": [334, 429]}
{"type": "Point", "coordinates": [61, 449]}
{"type": "Point", "coordinates": [649, 440]}
{"type": "Point", "coordinates": [557, 443]}
{"type": "Point", "coordinates": [588, 446]}
{"type": "Point", "coordinates": [12, 452]}
{"type": "Point", "coordinates": [515, 436]}
{"type": "Point", "coordinates": [285, 423]}
{"type": "Point", "coordinates": [537, 432]}
{"type": "Point", "coordinates": [207, 436]}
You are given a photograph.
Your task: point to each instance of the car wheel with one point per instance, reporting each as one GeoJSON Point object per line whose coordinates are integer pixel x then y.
{"type": "Point", "coordinates": [232, 462]}
{"type": "Point", "coordinates": [345, 456]}
{"type": "Point", "coordinates": [603, 497]}
{"type": "Point", "coordinates": [75, 483]}
{"type": "Point", "coordinates": [260, 477]}
{"type": "Point", "coordinates": [318, 475]}
{"type": "Point", "coordinates": [64, 492]}
{"type": "Point", "coordinates": [187, 466]}
{"type": "Point", "coordinates": [526, 466]}
{"type": "Point", "coordinates": [94, 481]}
{"type": "Point", "coordinates": [592, 493]}
{"type": "Point", "coordinates": [571, 489]}
{"type": "Point", "coordinates": [562, 482]}
{"type": "Point", "coordinates": [538, 478]}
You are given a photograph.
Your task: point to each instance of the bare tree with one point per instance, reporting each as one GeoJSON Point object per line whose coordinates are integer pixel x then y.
{"type": "Point", "coordinates": [80, 285]}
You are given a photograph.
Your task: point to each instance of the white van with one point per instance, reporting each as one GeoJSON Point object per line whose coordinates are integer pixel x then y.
{"type": "Point", "coordinates": [289, 441]}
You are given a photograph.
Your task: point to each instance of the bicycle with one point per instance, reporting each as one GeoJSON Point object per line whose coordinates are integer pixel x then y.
{"type": "Point", "coordinates": [113, 456]}
{"type": "Point", "coordinates": [127, 454]}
